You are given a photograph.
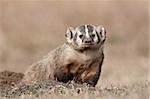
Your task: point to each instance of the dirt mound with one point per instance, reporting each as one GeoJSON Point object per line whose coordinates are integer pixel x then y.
{"type": "Point", "coordinates": [53, 88]}
{"type": "Point", "coordinates": [8, 78]}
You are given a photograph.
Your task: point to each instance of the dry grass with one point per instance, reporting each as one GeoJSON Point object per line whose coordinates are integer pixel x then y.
{"type": "Point", "coordinates": [10, 87]}
{"type": "Point", "coordinates": [55, 90]}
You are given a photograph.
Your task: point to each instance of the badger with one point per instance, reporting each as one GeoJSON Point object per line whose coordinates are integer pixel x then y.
{"type": "Point", "coordinates": [79, 59]}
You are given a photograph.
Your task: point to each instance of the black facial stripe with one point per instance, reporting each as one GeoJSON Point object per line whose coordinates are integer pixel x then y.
{"type": "Point", "coordinates": [92, 39]}
{"type": "Point", "coordinates": [71, 35]}
{"type": "Point", "coordinates": [82, 28]}
{"type": "Point", "coordinates": [90, 28]}
{"type": "Point", "coordinates": [75, 37]}
{"type": "Point", "coordinates": [98, 38]}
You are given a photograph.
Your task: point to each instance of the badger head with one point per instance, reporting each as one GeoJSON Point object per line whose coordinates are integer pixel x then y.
{"type": "Point", "coordinates": [86, 36]}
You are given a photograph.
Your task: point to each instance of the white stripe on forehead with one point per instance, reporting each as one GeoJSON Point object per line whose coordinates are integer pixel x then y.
{"type": "Point", "coordinates": [86, 31]}
{"type": "Point", "coordinates": [103, 30]}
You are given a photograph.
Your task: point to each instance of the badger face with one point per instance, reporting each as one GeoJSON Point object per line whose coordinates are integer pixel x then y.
{"type": "Point", "coordinates": [86, 36]}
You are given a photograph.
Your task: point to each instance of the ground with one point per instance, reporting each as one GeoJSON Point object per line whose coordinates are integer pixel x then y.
{"type": "Point", "coordinates": [9, 88]}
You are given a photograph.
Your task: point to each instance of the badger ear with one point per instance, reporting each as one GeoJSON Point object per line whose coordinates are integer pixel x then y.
{"type": "Point", "coordinates": [101, 32]}
{"type": "Point", "coordinates": [70, 34]}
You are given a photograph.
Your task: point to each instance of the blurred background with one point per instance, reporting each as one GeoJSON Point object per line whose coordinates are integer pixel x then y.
{"type": "Point", "coordinates": [29, 30]}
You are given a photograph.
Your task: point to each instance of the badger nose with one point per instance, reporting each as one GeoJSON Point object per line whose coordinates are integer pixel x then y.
{"type": "Point", "coordinates": [87, 41]}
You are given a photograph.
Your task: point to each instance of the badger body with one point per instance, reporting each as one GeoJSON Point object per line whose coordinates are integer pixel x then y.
{"type": "Point", "coordinates": [79, 59]}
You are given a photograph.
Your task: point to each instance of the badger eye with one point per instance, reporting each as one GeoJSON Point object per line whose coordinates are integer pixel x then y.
{"type": "Point", "coordinates": [80, 36]}
{"type": "Point", "coordinates": [93, 35]}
